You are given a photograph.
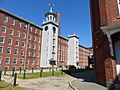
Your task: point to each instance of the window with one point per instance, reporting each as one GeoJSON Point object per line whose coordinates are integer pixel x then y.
{"type": "Point", "coordinates": [13, 21]}
{"type": "Point", "coordinates": [29, 37]}
{"type": "Point", "coordinates": [15, 61]}
{"type": "Point", "coordinates": [18, 34]}
{"type": "Point", "coordinates": [22, 52]}
{"type": "Point", "coordinates": [32, 62]}
{"type": "Point", "coordinates": [19, 24]}
{"type": "Point", "coordinates": [34, 46]}
{"type": "Point", "coordinates": [35, 30]}
{"type": "Point", "coordinates": [1, 49]}
{"type": "Point", "coordinates": [34, 39]}
{"type": "Point", "coordinates": [27, 61]}
{"type": "Point", "coordinates": [53, 41]}
{"type": "Point", "coordinates": [54, 31]}
{"type": "Point", "coordinates": [118, 5]}
{"type": "Point", "coordinates": [25, 26]}
{"type": "Point", "coordinates": [23, 44]}
{"type": "Point", "coordinates": [2, 39]}
{"type": "Point", "coordinates": [39, 40]}
{"type": "Point", "coordinates": [6, 19]}
{"type": "Point", "coordinates": [7, 60]}
{"type": "Point", "coordinates": [16, 51]}
{"type": "Point", "coordinates": [33, 54]}
{"type": "Point", "coordinates": [8, 50]}
{"type": "Point", "coordinates": [10, 41]}
{"type": "Point", "coordinates": [30, 29]}
{"type": "Point", "coordinates": [21, 61]}
{"type": "Point", "coordinates": [0, 60]}
{"type": "Point", "coordinates": [17, 43]}
{"type": "Point", "coordinates": [28, 53]}
{"type": "Point", "coordinates": [11, 31]}
{"type": "Point", "coordinates": [24, 35]}
{"type": "Point", "coordinates": [4, 29]}
{"type": "Point", "coordinates": [29, 45]}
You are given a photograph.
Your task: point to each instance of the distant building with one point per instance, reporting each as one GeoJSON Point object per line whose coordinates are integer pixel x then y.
{"type": "Point", "coordinates": [26, 45]}
{"type": "Point", "coordinates": [105, 18]}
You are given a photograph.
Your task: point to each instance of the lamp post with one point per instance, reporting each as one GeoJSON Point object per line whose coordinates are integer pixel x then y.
{"type": "Point", "coordinates": [52, 62]}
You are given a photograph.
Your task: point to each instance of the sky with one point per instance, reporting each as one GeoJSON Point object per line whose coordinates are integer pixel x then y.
{"type": "Point", "coordinates": [75, 15]}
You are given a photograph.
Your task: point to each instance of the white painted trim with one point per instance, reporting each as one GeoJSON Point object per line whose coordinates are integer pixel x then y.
{"type": "Point", "coordinates": [11, 41]}
{"type": "Point", "coordinates": [18, 42]}
{"type": "Point", "coordinates": [3, 39]}
{"type": "Point", "coordinates": [9, 60]}
{"type": "Point", "coordinates": [18, 35]}
{"type": "Point", "coordinates": [16, 60]}
{"type": "Point", "coordinates": [17, 51]}
{"type": "Point", "coordinates": [6, 19]}
{"type": "Point", "coordinates": [10, 50]}
{"type": "Point", "coordinates": [12, 32]}
{"type": "Point", "coordinates": [2, 49]}
{"type": "Point", "coordinates": [5, 29]}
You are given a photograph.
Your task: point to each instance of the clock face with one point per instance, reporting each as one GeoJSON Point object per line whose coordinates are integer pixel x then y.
{"type": "Point", "coordinates": [46, 28]}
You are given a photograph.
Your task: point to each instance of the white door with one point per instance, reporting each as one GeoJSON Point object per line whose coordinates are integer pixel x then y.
{"type": "Point", "coordinates": [117, 55]}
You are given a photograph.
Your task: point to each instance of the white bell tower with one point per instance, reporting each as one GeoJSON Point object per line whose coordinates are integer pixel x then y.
{"type": "Point", "coordinates": [49, 38]}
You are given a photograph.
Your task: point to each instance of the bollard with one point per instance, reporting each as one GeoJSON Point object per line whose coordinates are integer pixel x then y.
{"type": "Point", "coordinates": [5, 71]}
{"type": "Point", "coordinates": [0, 75]}
{"type": "Point", "coordinates": [24, 74]}
{"type": "Point", "coordinates": [20, 69]}
{"type": "Point", "coordinates": [15, 78]}
{"type": "Point", "coordinates": [32, 69]}
{"type": "Point", "coordinates": [52, 72]}
{"type": "Point", "coordinates": [41, 72]}
{"type": "Point", "coordinates": [13, 72]}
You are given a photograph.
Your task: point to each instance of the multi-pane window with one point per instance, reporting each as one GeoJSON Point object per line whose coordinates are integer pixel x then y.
{"type": "Point", "coordinates": [4, 29]}
{"type": "Point", "coordinates": [7, 61]}
{"type": "Point", "coordinates": [36, 30]}
{"type": "Point", "coordinates": [17, 43]}
{"type": "Point", "coordinates": [8, 50]}
{"type": "Point", "coordinates": [6, 19]}
{"type": "Point", "coordinates": [18, 34]}
{"type": "Point", "coordinates": [2, 39]}
{"type": "Point", "coordinates": [0, 60]}
{"type": "Point", "coordinates": [11, 31]}
{"type": "Point", "coordinates": [1, 49]}
{"type": "Point", "coordinates": [19, 24]}
{"type": "Point", "coordinates": [29, 37]}
{"type": "Point", "coordinates": [25, 26]}
{"type": "Point", "coordinates": [28, 53]}
{"type": "Point", "coordinates": [23, 44]}
{"type": "Point", "coordinates": [13, 21]}
{"type": "Point", "coordinates": [30, 29]}
{"type": "Point", "coordinates": [21, 61]}
{"type": "Point", "coordinates": [29, 45]}
{"type": "Point", "coordinates": [24, 35]}
{"type": "Point", "coordinates": [22, 52]}
{"type": "Point", "coordinates": [10, 41]}
{"type": "Point", "coordinates": [16, 51]}
{"type": "Point", "coordinates": [15, 61]}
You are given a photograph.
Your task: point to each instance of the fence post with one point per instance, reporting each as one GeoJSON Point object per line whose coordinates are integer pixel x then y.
{"type": "Point", "coordinates": [20, 70]}
{"type": "Point", "coordinates": [41, 70]}
{"type": "Point", "coordinates": [13, 72]}
{"type": "Point", "coordinates": [15, 78]}
{"type": "Point", "coordinates": [0, 75]}
{"type": "Point", "coordinates": [24, 74]}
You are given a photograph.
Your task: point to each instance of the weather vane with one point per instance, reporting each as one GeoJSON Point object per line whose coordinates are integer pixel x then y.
{"type": "Point", "coordinates": [51, 6]}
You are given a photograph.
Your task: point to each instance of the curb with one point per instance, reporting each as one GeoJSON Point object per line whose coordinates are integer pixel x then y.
{"type": "Point", "coordinates": [70, 84]}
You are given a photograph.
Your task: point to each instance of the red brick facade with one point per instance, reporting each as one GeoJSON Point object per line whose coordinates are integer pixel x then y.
{"type": "Point", "coordinates": [20, 45]}
{"type": "Point", "coordinates": [103, 13]}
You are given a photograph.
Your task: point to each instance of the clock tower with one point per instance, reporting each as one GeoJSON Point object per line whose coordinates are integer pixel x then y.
{"type": "Point", "coordinates": [49, 38]}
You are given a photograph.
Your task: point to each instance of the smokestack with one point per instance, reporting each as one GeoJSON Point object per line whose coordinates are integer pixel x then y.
{"type": "Point", "coordinates": [58, 20]}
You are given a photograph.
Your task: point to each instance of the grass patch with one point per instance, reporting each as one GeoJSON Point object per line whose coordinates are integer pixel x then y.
{"type": "Point", "coordinates": [10, 87]}
{"type": "Point", "coordinates": [37, 75]}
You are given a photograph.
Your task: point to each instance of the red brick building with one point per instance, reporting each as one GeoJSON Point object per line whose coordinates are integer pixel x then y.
{"type": "Point", "coordinates": [106, 39]}
{"type": "Point", "coordinates": [20, 42]}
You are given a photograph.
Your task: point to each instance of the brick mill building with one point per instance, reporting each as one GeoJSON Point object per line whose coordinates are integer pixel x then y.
{"type": "Point", "coordinates": [26, 45]}
{"type": "Point", "coordinates": [105, 18]}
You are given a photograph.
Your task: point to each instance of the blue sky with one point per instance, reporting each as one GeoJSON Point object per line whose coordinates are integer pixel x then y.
{"type": "Point", "coordinates": [75, 15]}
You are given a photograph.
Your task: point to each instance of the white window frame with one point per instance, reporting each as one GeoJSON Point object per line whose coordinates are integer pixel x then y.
{"type": "Point", "coordinates": [22, 59]}
{"type": "Point", "coordinates": [27, 61]}
{"type": "Point", "coordinates": [35, 39]}
{"type": "Point", "coordinates": [36, 30]}
{"type": "Point", "coordinates": [13, 21]}
{"type": "Point", "coordinates": [30, 37]}
{"type": "Point", "coordinates": [3, 39]}
{"type": "Point", "coordinates": [30, 29]}
{"type": "Point", "coordinates": [34, 46]}
{"type": "Point", "coordinates": [16, 60]}
{"type": "Point", "coordinates": [6, 19]}
{"type": "Point", "coordinates": [18, 34]}
{"type": "Point", "coordinates": [2, 49]}
{"type": "Point", "coordinates": [28, 53]}
{"type": "Point", "coordinates": [12, 32]}
{"type": "Point", "coordinates": [19, 24]}
{"type": "Point", "coordinates": [24, 35]}
{"type": "Point", "coordinates": [9, 60]}
{"type": "Point", "coordinates": [118, 1]}
{"type": "Point", "coordinates": [10, 50]}
{"type": "Point", "coordinates": [22, 44]}
{"type": "Point", "coordinates": [22, 51]}
{"type": "Point", "coordinates": [5, 29]}
{"type": "Point", "coordinates": [11, 41]}
{"type": "Point", "coordinates": [18, 42]}
{"type": "Point", "coordinates": [29, 45]}
{"type": "Point", "coordinates": [17, 51]}
{"type": "Point", "coordinates": [33, 54]}
{"type": "Point", "coordinates": [33, 61]}
{"type": "Point", "coordinates": [25, 26]}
